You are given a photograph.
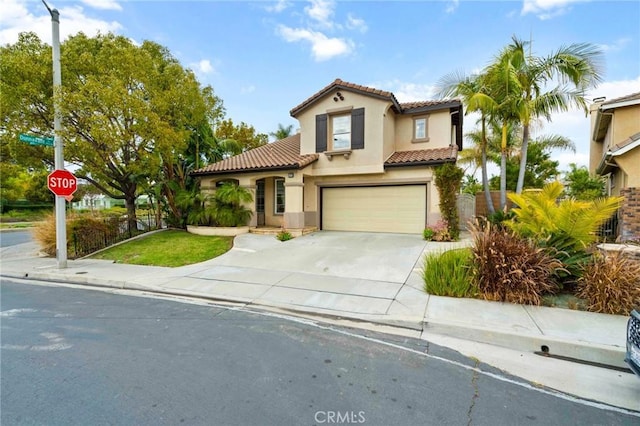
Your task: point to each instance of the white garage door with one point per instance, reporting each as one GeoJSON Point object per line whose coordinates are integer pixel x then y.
{"type": "Point", "coordinates": [399, 209]}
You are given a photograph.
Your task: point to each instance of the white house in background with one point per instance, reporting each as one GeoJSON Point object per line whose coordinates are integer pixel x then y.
{"type": "Point", "coordinates": [101, 202]}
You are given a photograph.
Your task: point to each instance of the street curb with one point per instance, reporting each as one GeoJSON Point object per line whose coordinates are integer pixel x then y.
{"type": "Point", "coordinates": [589, 352]}
{"type": "Point", "coordinates": [584, 351]}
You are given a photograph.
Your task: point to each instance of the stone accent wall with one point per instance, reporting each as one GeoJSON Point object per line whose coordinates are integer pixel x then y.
{"type": "Point", "coordinates": [630, 214]}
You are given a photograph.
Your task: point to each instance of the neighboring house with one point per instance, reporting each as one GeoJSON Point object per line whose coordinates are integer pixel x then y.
{"type": "Point", "coordinates": [101, 202]}
{"type": "Point", "coordinates": [615, 154]}
{"type": "Point", "coordinates": [361, 162]}
{"type": "Point", "coordinates": [615, 142]}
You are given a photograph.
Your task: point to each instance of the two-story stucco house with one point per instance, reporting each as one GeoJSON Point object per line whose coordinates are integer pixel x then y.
{"type": "Point", "coordinates": [362, 161]}
{"type": "Point", "coordinates": [615, 142]}
{"type": "Point", "coordinates": [615, 154]}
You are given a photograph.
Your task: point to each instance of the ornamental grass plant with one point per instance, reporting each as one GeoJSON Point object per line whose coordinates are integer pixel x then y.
{"type": "Point", "coordinates": [611, 284]}
{"type": "Point", "coordinates": [508, 268]}
{"type": "Point", "coordinates": [448, 273]}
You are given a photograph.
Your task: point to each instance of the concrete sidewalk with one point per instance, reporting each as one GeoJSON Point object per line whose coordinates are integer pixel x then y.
{"type": "Point", "coordinates": [260, 272]}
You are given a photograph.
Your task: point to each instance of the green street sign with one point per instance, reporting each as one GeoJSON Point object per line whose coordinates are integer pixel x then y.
{"type": "Point", "coordinates": [36, 140]}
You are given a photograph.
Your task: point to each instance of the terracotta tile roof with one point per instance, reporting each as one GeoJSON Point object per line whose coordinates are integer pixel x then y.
{"type": "Point", "coordinates": [626, 142]}
{"type": "Point", "coordinates": [338, 84]}
{"type": "Point", "coordinates": [422, 157]}
{"type": "Point", "coordinates": [406, 106]}
{"type": "Point", "coordinates": [278, 155]}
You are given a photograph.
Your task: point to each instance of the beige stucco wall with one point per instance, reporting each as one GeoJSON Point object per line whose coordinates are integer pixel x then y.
{"type": "Point", "coordinates": [371, 157]}
{"type": "Point", "coordinates": [389, 133]}
{"type": "Point", "coordinates": [630, 165]}
{"type": "Point", "coordinates": [438, 131]}
{"type": "Point", "coordinates": [626, 122]}
{"type": "Point", "coordinates": [596, 149]}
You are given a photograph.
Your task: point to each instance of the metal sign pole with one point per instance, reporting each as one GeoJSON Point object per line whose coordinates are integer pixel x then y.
{"type": "Point", "coordinates": [61, 227]}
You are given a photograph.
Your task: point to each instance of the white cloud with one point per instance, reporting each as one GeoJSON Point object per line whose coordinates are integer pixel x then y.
{"type": "Point", "coordinates": [204, 67]}
{"type": "Point", "coordinates": [16, 18]}
{"type": "Point", "coordinates": [547, 9]}
{"type": "Point", "coordinates": [358, 24]}
{"type": "Point", "coordinates": [278, 7]}
{"type": "Point", "coordinates": [406, 91]}
{"type": "Point", "coordinates": [247, 89]}
{"type": "Point", "coordinates": [103, 4]}
{"type": "Point", "coordinates": [617, 45]}
{"type": "Point", "coordinates": [322, 47]}
{"type": "Point", "coordinates": [321, 11]}
{"type": "Point", "coordinates": [452, 6]}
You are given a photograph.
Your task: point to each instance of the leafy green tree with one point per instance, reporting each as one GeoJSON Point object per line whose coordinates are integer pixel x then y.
{"type": "Point", "coordinates": [282, 132]}
{"type": "Point", "coordinates": [475, 96]}
{"type": "Point", "coordinates": [581, 185]}
{"type": "Point", "coordinates": [127, 109]}
{"type": "Point", "coordinates": [544, 85]}
{"type": "Point", "coordinates": [540, 168]}
{"type": "Point", "coordinates": [244, 134]}
{"type": "Point", "coordinates": [37, 190]}
{"type": "Point", "coordinates": [470, 185]}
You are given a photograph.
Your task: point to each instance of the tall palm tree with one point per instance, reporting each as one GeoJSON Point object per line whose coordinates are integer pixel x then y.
{"type": "Point", "coordinates": [282, 132]}
{"type": "Point", "coordinates": [569, 72]}
{"type": "Point", "coordinates": [475, 96]}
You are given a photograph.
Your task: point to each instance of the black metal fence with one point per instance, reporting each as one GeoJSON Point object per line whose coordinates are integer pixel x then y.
{"type": "Point", "coordinates": [608, 231]}
{"type": "Point", "coordinates": [91, 235]}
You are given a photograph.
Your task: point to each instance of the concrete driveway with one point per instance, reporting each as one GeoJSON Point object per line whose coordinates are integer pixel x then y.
{"type": "Point", "coordinates": [359, 255]}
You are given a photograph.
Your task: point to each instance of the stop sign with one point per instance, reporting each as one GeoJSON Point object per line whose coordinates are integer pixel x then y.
{"type": "Point", "coordinates": [62, 183]}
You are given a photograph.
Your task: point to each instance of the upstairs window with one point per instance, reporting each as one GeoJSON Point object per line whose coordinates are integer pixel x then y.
{"type": "Point", "coordinates": [341, 131]}
{"type": "Point", "coordinates": [420, 129]}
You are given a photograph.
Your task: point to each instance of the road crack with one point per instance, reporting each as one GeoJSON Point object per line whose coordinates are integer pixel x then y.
{"type": "Point", "coordinates": [474, 383]}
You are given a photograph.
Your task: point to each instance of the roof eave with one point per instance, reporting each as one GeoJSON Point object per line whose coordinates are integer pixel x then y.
{"type": "Point", "coordinates": [253, 169]}
{"type": "Point", "coordinates": [338, 86]}
{"type": "Point", "coordinates": [420, 163]}
{"type": "Point", "coordinates": [435, 107]}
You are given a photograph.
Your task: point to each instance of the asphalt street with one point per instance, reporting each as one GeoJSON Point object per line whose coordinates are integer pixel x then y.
{"type": "Point", "coordinates": [74, 356]}
{"type": "Point", "coordinates": [13, 238]}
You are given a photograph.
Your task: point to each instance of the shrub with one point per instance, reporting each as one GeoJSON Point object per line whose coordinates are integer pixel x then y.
{"type": "Point", "coordinates": [566, 228]}
{"type": "Point", "coordinates": [284, 236]}
{"type": "Point", "coordinates": [611, 284]}
{"type": "Point", "coordinates": [540, 215]}
{"type": "Point", "coordinates": [448, 273]}
{"type": "Point", "coordinates": [229, 202]}
{"type": "Point", "coordinates": [448, 181]}
{"type": "Point", "coordinates": [44, 233]}
{"type": "Point", "coordinates": [509, 268]}
{"type": "Point", "coordinates": [437, 232]}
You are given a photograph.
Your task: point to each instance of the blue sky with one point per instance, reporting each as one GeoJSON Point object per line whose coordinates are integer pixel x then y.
{"type": "Point", "coordinates": [265, 57]}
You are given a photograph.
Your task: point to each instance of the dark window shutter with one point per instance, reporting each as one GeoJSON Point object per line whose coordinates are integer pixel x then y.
{"type": "Point", "coordinates": [357, 128]}
{"type": "Point", "coordinates": [321, 133]}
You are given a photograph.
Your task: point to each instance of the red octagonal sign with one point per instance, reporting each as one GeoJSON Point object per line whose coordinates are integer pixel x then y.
{"type": "Point", "coordinates": [62, 183]}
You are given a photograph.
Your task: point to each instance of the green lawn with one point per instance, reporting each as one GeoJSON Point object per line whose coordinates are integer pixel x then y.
{"type": "Point", "coordinates": [168, 248]}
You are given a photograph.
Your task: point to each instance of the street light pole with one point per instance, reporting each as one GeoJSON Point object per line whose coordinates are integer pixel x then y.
{"type": "Point", "coordinates": [61, 226]}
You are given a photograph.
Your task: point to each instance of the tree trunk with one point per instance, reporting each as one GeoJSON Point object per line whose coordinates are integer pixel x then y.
{"type": "Point", "coordinates": [503, 169]}
{"type": "Point", "coordinates": [132, 220]}
{"type": "Point", "coordinates": [485, 177]}
{"type": "Point", "coordinates": [523, 158]}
